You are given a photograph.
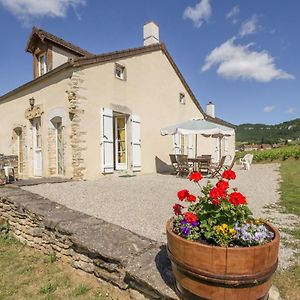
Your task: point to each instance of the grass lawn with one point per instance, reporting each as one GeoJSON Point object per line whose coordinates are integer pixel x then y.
{"type": "Point", "coordinates": [290, 187]}
{"type": "Point", "coordinates": [288, 281]}
{"type": "Point", "coordinates": [28, 274]}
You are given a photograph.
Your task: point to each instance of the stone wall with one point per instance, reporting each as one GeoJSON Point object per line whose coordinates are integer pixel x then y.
{"type": "Point", "coordinates": [108, 251]}
{"type": "Point", "coordinates": [76, 111]}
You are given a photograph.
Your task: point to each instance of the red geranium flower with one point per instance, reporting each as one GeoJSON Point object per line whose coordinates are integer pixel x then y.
{"type": "Point", "coordinates": [190, 217]}
{"type": "Point", "coordinates": [229, 174]}
{"type": "Point", "coordinates": [191, 198]}
{"type": "Point", "coordinates": [215, 202]}
{"type": "Point", "coordinates": [222, 184]}
{"type": "Point", "coordinates": [216, 193]}
{"type": "Point", "coordinates": [177, 209]}
{"type": "Point", "coordinates": [237, 198]}
{"type": "Point", "coordinates": [183, 194]}
{"type": "Point", "coordinates": [195, 176]}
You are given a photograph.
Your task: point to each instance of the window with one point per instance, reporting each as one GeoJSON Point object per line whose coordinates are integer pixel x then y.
{"type": "Point", "coordinates": [42, 64]}
{"type": "Point", "coordinates": [181, 98]}
{"type": "Point", "coordinates": [120, 72]}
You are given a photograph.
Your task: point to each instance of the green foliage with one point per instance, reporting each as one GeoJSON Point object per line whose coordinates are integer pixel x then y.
{"type": "Point", "coordinates": [269, 134]}
{"type": "Point", "coordinates": [275, 154]}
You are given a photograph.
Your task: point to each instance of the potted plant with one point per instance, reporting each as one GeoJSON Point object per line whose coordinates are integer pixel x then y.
{"type": "Point", "coordinates": [218, 250]}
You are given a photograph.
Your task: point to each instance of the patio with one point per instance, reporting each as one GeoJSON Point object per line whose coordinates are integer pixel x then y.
{"type": "Point", "coordinates": [143, 203]}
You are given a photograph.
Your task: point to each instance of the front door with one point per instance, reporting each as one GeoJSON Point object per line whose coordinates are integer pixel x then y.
{"type": "Point", "coordinates": [37, 147]}
{"type": "Point", "coordinates": [120, 143]}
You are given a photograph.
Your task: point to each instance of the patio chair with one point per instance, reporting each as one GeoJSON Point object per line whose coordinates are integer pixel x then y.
{"type": "Point", "coordinates": [174, 163]}
{"type": "Point", "coordinates": [246, 161]}
{"type": "Point", "coordinates": [230, 166]}
{"type": "Point", "coordinates": [215, 170]}
{"type": "Point", "coordinates": [205, 164]}
{"type": "Point", "coordinates": [183, 165]}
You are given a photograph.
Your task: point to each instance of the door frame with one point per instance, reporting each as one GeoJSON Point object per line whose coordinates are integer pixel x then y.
{"type": "Point", "coordinates": [37, 151]}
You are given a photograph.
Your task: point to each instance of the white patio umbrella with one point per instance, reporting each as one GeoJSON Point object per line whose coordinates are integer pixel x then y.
{"type": "Point", "coordinates": [198, 126]}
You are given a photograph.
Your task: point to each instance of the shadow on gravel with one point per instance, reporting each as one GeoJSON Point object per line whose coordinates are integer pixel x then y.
{"type": "Point", "coordinates": [163, 265]}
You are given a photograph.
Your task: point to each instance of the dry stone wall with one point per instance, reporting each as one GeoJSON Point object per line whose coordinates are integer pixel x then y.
{"type": "Point", "coordinates": [108, 251]}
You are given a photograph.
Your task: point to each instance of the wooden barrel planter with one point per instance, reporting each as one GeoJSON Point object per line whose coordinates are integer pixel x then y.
{"type": "Point", "coordinates": [219, 273]}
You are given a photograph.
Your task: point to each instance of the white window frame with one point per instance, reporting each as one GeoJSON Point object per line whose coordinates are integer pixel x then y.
{"type": "Point", "coordinates": [44, 64]}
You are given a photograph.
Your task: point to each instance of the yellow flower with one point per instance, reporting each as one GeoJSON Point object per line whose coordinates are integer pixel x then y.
{"type": "Point", "coordinates": [224, 227]}
{"type": "Point", "coordinates": [232, 231]}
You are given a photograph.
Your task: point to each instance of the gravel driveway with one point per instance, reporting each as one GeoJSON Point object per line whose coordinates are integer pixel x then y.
{"type": "Point", "coordinates": [143, 203]}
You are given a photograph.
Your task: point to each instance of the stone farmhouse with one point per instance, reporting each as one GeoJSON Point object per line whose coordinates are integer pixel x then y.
{"type": "Point", "coordinates": [85, 115]}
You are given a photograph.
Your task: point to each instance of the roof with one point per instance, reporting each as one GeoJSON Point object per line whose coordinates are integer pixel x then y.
{"type": "Point", "coordinates": [219, 121]}
{"type": "Point", "coordinates": [88, 58]}
{"type": "Point", "coordinates": [44, 35]}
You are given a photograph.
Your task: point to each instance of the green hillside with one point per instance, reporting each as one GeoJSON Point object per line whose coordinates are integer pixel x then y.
{"type": "Point", "coordinates": [268, 134]}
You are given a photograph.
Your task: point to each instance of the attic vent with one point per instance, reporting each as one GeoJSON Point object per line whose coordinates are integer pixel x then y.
{"type": "Point", "coordinates": [120, 71]}
{"type": "Point", "coordinates": [182, 98]}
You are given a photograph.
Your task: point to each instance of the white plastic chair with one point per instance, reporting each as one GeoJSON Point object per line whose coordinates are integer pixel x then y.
{"type": "Point", "coordinates": [246, 161]}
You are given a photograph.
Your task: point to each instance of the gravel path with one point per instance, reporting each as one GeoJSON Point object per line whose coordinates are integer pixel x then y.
{"type": "Point", "coordinates": [143, 203]}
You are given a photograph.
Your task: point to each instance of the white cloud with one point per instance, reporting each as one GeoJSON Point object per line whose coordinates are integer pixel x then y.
{"type": "Point", "coordinates": [249, 27]}
{"type": "Point", "coordinates": [28, 9]}
{"type": "Point", "coordinates": [233, 13]}
{"type": "Point", "coordinates": [268, 109]}
{"type": "Point", "coordinates": [239, 61]}
{"type": "Point", "coordinates": [290, 110]}
{"type": "Point", "coordinates": [198, 14]}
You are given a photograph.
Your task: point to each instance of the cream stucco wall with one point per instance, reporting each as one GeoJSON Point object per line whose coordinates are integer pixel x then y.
{"type": "Point", "coordinates": [50, 93]}
{"type": "Point", "coordinates": [60, 56]}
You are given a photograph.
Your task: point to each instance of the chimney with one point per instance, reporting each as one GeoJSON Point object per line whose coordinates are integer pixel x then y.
{"type": "Point", "coordinates": [210, 109]}
{"type": "Point", "coordinates": [151, 33]}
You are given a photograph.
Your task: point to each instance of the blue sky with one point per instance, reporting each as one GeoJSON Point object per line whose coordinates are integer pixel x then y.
{"type": "Point", "coordinates": [242, 55]}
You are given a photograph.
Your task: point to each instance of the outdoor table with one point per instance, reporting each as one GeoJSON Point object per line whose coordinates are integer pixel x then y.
{"type": "Point", "coordinates": [200, 164]}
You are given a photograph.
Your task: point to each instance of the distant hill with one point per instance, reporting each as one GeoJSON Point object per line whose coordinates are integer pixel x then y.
{"type": "Point", "coordinates": [268, 134]}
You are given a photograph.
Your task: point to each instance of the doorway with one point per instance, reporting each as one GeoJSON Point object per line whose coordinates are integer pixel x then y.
{"type": "Point", "coordinates": [59, 148]}
{"type": "Point", "coordinates": [120, 142]}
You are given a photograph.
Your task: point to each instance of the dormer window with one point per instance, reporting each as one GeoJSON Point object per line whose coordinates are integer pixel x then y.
{"type": "Point", "coordinates": [42, 64]}
{"type": "Point", "coordinates": [120, 71]}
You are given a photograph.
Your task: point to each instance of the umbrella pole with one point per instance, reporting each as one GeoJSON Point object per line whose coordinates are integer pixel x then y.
{"type": "Point", "coordinates": [196, 145]}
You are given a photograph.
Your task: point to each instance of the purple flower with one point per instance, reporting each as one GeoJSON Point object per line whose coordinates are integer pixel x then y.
{"type": "Point", "coordinates": [183, 221]}
{"type": "Point", "coordinates": [185, 231]}
{"type": "Point", "coordinates": [195, 224]}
